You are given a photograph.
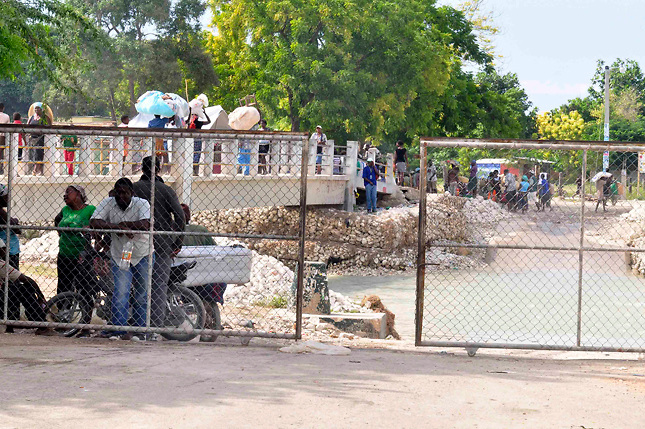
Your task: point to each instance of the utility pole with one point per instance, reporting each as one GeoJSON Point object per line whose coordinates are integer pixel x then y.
{"type": "Point", "coordinates": [606, 103]}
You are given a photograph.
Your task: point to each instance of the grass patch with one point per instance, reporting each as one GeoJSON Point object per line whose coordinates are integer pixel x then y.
{"type": "Point", "coordinates": [41, 270]}
{"type": "Point", "coordinates": [274, 302]}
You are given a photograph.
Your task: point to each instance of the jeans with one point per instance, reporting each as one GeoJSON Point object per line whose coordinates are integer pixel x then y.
{"type": "Point", "coordinates": [197, 151]}
{"type": "Point", "coordinates": [370, 196]}
{"type": "Point", "coordinates": [136, 279]}
{"type": "Point", "coordinates": [159, 293]}
{"type": "Point", "coordinates": [244, 161]}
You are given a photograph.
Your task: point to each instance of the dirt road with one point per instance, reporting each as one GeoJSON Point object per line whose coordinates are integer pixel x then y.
{"type": "Point", "coordinates": [62, 383]}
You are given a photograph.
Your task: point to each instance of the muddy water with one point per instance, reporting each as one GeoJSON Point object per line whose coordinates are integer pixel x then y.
{"type": "Point", "coordinates": [522, 296]}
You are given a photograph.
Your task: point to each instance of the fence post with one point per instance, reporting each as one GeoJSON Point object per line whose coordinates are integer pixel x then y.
{"type": "Point", "coordinates": [254, 161]}
{"type": "Point", "coordinates": [49, 166]}
{"type": "Point", "coordinates": [580, 251]}
{"type": "Point", "coordinates": [301, 232]}
{"type": "Point", "coordinates": [12, 152]}
{"type": "Point", "coordinates": [182, 168]}
{"type": "Point", "coordinates": [328, 159]}
{"type": "Point", "coordinates": [350, 173]}
{"type": "Point", "coordinates": [84, 155]}
{"type": "Point", "coordinates": [313, 154]}
{"type": "Point", "coordinates": [421, 248]}
{"type": "Point", "coordinates": [116, 156]}
{"type": "Point", "coordinates": [390, 180]}
{"type": "Point", "coordinates": [10, 176]}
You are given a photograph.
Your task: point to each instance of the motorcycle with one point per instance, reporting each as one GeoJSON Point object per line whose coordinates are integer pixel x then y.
{"type": "Point", "coordinates": [184, 308]}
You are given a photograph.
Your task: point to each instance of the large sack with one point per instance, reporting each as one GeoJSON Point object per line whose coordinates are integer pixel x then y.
{"type": "Point", "coordinates": [140, 121]}
{"type": "Point", "coordinates": [178, 104]}
{"type": "Point", "coordinates": [152, 103]}
{"type": "Point", "coordinates": [243, 118]}
{"type": "Point", "coordinates": [197, 108]}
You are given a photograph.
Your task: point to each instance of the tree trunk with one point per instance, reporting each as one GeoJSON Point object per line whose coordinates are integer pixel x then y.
{"type": "Point", "coordinates": [112, 108]}
{"type": "Point", "coordinates": [133, 99]}
{"type": "Point", "coordinates": [293, 116]}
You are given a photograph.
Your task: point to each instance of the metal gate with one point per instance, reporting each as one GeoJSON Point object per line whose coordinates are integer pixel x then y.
{"type": "Point", "coordinates": [557, 266]}
{"type": "Point", "coordinates": [242, 189]}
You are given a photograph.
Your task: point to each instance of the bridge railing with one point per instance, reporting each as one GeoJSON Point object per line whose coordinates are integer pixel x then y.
{"type": "Point", "coordinates": [114, 152]}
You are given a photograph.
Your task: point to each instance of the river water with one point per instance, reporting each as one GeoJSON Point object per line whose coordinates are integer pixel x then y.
{"type": "Point", "coordinates": [521, 296]}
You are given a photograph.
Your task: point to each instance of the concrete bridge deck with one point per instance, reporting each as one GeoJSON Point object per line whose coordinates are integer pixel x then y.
{"type": "Point", "coordinates": [227, 173]}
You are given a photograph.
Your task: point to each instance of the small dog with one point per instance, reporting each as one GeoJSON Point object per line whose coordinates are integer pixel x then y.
{"type": "Point", "coordinates": [374, 303]}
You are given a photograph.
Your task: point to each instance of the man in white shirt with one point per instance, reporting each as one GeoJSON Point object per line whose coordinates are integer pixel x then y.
{"type": "Point", "coordinates": [125, 212]}
{"type": "Point", "coordinates": [320, 139]}
{"type": "Point", "coordinates": [4, 119]}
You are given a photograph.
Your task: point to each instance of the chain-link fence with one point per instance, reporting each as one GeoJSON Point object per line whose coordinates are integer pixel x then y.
{"type": "Point", "coordinates": [137, 233]}
{"type": "Point", "coordinates": [556, 232]}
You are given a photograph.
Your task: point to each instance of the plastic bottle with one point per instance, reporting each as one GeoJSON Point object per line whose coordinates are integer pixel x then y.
{"type": "Point", "coordinates": [126, 255]}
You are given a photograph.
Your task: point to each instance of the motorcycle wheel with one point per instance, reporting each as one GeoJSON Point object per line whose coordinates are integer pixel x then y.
{"type": "Point", "coordinates": [185, 310]}
{"type": "Point", "coordinates": [67, 307]}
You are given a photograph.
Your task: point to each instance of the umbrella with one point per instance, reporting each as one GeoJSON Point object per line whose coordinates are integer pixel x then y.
{"type": "Point", "coordinates": [600, 175]}
{"type": "Point", "coordinates": [46, 110]}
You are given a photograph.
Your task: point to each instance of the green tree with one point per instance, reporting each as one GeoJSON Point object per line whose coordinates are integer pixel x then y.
{"type": "Point", "coordinates": [150, 45]}
{"type": "Point", "coordinates": [357, 67]}
{"type": "Point", "coordinates": [41, 37]}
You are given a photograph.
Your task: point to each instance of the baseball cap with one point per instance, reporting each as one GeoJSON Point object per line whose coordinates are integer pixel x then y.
{"type": "Point", "coordinates": [370, 160]}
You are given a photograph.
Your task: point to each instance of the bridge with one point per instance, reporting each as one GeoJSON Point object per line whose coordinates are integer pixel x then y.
{"type": "Point", "coordinates": [217, 178]}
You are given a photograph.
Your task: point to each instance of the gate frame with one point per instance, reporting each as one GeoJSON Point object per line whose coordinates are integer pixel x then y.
{"type": "Point", "coordinates": [10, 129]}
{"type": "Point", "coordinates": [584, 146]}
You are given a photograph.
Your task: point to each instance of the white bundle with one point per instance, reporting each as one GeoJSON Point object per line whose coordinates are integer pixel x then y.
{"type": "Point", "coordinates": [198, 104]}
{"type": "Point", "coordinates": [243, 118]}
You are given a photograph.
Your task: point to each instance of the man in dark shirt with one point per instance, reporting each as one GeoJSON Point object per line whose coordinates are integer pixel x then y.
{"type": "Point", "coordinates": [168, 216]}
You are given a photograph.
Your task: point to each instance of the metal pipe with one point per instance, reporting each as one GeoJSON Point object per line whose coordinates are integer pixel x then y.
{"type": "Point", "coordinates": [606, 128]}
{"type": "Point", "coordinates": [421, 248]}
{"type": "Point", "coordinates": [529, 247]}
{"type": "Point", "coordinates": [147, 132]}
{"type": "Point", "coordinates": [226, 333]}
{"type": "Point", "coordinates": [519, 346]}
{"type": "Point", "coordinates": [535, 144]}
{"type": "Point", "coordinates": [116, 231]}
{"type": "Point", "coordinates": [8, 227]}
{"type": "Point", "coordinates": [302, 230]}
{"type": "Point", "coordinates": [151, 257]}
{"type": "Point", "coordinates": [583, 178]}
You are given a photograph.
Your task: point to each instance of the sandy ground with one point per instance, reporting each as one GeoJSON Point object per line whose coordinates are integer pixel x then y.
{"type": "Point", "coordinates": [62, 383]}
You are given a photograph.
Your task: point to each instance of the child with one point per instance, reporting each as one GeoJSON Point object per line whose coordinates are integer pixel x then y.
{"type": "Point", "coordinates": [21, 141]}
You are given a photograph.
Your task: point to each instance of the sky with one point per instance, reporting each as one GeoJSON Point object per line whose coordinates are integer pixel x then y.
{"type": "Point", "coordinates": [553, 45]}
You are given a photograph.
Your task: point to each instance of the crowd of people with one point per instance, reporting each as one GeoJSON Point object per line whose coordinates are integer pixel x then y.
{"type": "Point", "coordinates": [516, 193]}
{"type": "Point", "coordinates": [126, 210]}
